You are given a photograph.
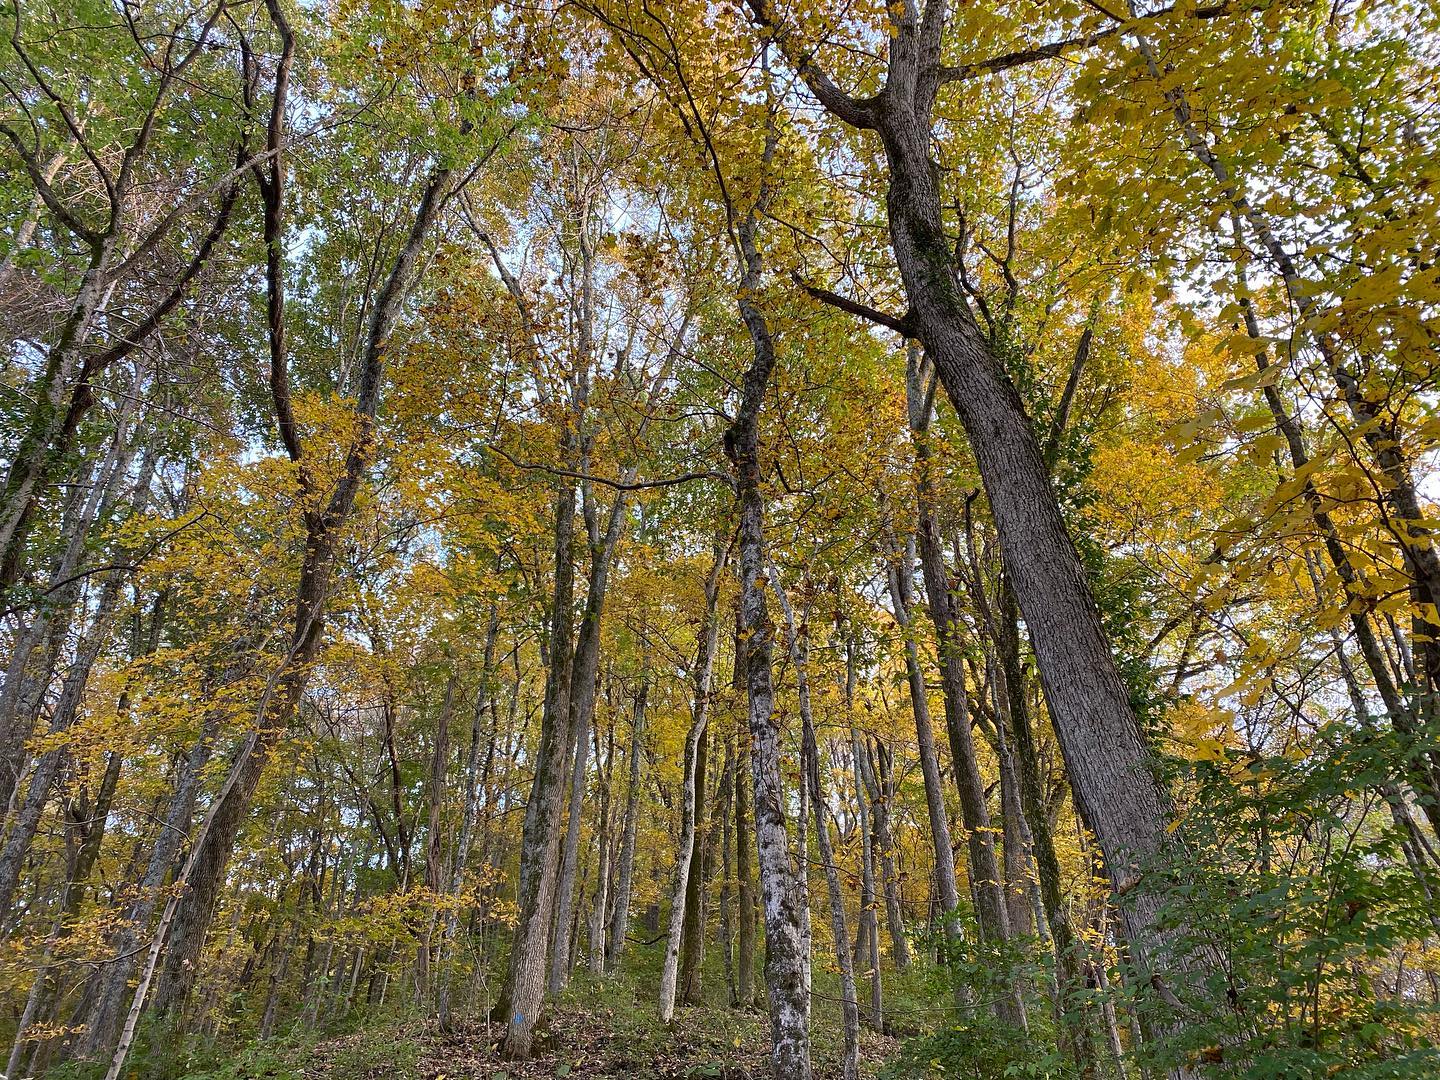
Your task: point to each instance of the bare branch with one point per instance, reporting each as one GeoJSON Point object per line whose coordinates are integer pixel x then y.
{"type": "Point", "coordinates": [618, 485]}
{"type": "Point", "coordinates": [900, 325]}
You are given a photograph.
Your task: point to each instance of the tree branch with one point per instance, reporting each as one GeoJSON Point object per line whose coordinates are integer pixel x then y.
{"type": "Point", "coordinates": [900, 325]}
{"type": "Point", "coordinates": [961, 72]}
{"type": "Point", "coordinates": [618, 485]}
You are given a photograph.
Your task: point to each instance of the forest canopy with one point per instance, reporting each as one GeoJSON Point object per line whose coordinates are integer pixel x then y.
{"type": "Point", "coordinates": [665, 538]}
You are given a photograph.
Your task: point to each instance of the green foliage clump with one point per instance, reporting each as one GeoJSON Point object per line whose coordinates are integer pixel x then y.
{"type": "Point", "coordinates": [976, 1050]}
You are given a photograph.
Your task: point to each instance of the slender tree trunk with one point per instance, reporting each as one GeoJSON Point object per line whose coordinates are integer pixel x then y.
{"type": "Point", "coordinates": [745, 917]}
{"type": "Point", "coordinates": [685, 864]}
{"type": "Point", "coordinates": [434, 846]}
{"type": "Point", "coordinates": [692, 934]}
{"type": "Point", "coordinates": [189, 913]}
{"type": "Point", "coordinates": [582, 711]}
{"type": "Point", "coordinates": [992, 915]}
{"type": "Point", "coordinates": [620, 919]}
{"type": "Point", "coordinates": [902, 602]}
{"type": "Point", "coordinates": [867, 939]}
{"type": "Point", "coordinates": [473, 794]}
{"type": "Point", "coordinates": [799, 651]}
{"type": "Point", "coordinates": [727, 897]}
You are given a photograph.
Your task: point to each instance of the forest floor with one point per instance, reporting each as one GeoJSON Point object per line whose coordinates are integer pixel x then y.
{"type": "Point", "coordinates": [581, 1040]}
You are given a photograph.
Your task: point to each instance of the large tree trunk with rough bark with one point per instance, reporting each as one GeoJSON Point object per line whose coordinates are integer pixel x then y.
{"type": "Point", "coordinates": [540, 836]}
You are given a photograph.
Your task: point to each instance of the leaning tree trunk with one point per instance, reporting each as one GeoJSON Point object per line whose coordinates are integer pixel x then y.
{"type": "Point", "coordinates": [188, 914]}
{"type": "Point", "coordinates": [1113, 770]}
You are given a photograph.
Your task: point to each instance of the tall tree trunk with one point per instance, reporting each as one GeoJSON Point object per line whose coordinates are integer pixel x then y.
{"type": "Point", "coordinates": [992, 915]}
{"type": "Point", "coordinates": [727, 867]}
{"type": "Point", "coordinates": [867, 938]}
{"type": "Point", "coordinates": [99, 1009]}
{"type": "Point", "coordinates": [902, 602]}
{"type": "Point", "coordinates": [745, 916]}
{"type": "Point", "coordinates": [1112, 768]}
{"type": "Point", "coordinates": [434, 846]}
{"type": "Point", "coordinates": [188, 913]}
{"type": "Point", "coordinates": [879, 769]}
{"type": "Point", "coordinates": [787, 944]}
{"type": "Point", "coordinates": [1075, 1036]}
{"type": "Point", "coordinates": [595, 957]}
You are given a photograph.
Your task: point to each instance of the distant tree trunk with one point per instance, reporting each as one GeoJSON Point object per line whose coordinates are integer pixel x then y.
{"type": "Point", "coordinates": [744, 886]}
{"type": "Point", "coordinates": [902, 603]}
{"type": "Point", "coordinates": [620, 919]}
{"type": "Point", "coordinates": [692, 935]}
{"type": "Point", "coordinates": [434, 848]}
{"type": "Point", "coordinates": [473, 793]}
{"type": "Point", "coordinates": [798, 635]}
{"type": "Point", "coordinates": [727, 898]}
{"type": "Point", "coordinates": [188, 914]}
{"type": "Point", "coordinates": [880, 781]}
{"type": "Point", "coordinates": [582, 711]}
{"type": "Point", "coordinates": [867, 938]}
{"type": "Point", "coordinates": [1015, 841]}
{"type": "Point", "coordinates": [28, 674]}
{"type": "Point", "coordinates": [595, 958]}
{"type": "Point", "coordinates": [100, 1009]}
{"type": "Point", "coordinates": [685, 867]}
{"type": "Point", "coordinates": [991, 912]}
